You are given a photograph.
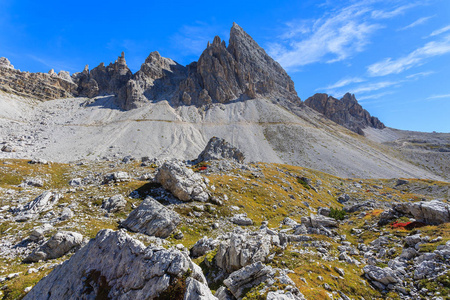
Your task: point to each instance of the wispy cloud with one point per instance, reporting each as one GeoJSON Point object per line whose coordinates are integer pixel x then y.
{"type": "Point", "coordinates": [435, 97]}
{"type": "Point", "coordinates": [420, 74]}
{"type": "Point", "coordinates": [416, 23]}
{"type": "Point", "coordinates": [395, 66]}
{"type": "Point", "coordinates": [341, 83]}
{"type": "Point", "coordinates": [373, 96]}
{"type": "Point", "coordinates": [440, 31]}
{"type": "Point", "coordinates": [380, 14]}
{"type": "Point", "coordinates": [370, 87]}
{"type": "Point", "coordinates": [331, 38]}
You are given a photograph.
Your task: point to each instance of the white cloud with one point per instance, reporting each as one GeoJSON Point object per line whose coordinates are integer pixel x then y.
{"type": "Point", "coordinates": [395, 66]}
{"type": "Point", "coordinates": [420, 74]}
{"type": "Point", "coordinates": [342, 82]}
{"type": "Point", "coordinates": [379, 14]}
{"type": "Point", "coordinates": [433, 97]}
{"type": "Point", "coordinates": [329, 39]}
{"type": "Point", "coordinates": [417, 23]}
{"type": "Point", "coordinates": [373, 96]}
{"type": "Point", "coordinates": [370, 87]}
{"type": "Point", "coordinates": [440, 31]}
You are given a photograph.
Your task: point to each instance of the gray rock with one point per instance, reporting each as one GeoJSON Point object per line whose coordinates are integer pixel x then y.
{"type": "Point", "coordinates": [252, 275]}
{"type": "Point", "coordinates": [38, 233]}
{"type": "Point", "coordinates": [317, 221]}
{"type": "Point", "coordinates": [383, 275]}
{"type": "Point", "coordinates": [115, 266]}
{"type": "Point", "coordinates": [244, 248]}
{"type": "Point", "coordinates": [66, 214]}
{"type": "Point", "coordinates": [217, 149]}
{"type": "Point", "coordinates": [114, 204]}
{"type": "Point", "coordinates": [75, 182]}
{"type": "Point", "coordinates": [241, 219]}
{"type": "Point", "coordinates": [58, 245]}
{"type": "Point", "coordinates": [42, 203]}
{"type": "Point", "coordinates": [203, 246]}
{"type": "Point", "coordinates": [182, 182]}
{"type": "Point", "coordinates": [152, 218]}
{"type": "Point", "coordinates": [4, 63]}
{"type": "Point", "coordinates": [433, 212]}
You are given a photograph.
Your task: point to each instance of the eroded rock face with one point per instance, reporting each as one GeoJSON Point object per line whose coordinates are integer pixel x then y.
{"type": "Point", "coordinates": [218, 148]}
{"type": "Point", "coordinates": [58, 245]}
{"type": "Point", "coordinates": [243, 70]}
{"type": "Point", "coordinates": [152, 218]}
{"type": "Point", "coordinates": [182, 182]}
{"type": "Point", "coordinates": [115, 266]}
{"type": "Point", "coordinates": [346, 112]}
{"type": "Point", "coordinates": [41, 86]}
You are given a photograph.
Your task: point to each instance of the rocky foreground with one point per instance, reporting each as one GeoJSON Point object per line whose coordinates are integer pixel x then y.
{"type": "Point", "coordinates": [217, 228]}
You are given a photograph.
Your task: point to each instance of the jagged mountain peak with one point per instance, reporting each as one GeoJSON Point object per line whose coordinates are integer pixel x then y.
{"type": "Point", "coordinates": [346, 112]}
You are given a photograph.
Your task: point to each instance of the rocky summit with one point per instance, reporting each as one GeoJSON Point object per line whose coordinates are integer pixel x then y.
{"type": "Point", "coordinates": [346, 112]}
{"type": "Point", "coordinates": [213, 181]}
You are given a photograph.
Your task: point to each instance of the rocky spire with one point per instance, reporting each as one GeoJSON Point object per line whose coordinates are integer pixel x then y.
{"type": "Point", "coordinates": [346, 112]}
{"type": "Point", "coordinates": [4, 63]}
{"type": "Point", "coordinates": [241, 71]}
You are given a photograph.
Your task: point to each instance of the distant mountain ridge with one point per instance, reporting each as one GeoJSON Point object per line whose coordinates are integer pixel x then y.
{"type": "Point", "coordinates": [241, 71]}
{"type": "Point", "coordinates": [346, 112]}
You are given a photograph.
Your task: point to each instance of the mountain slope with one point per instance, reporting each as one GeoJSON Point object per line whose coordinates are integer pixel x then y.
{"type": "Point", "coordinates": [71, 129]}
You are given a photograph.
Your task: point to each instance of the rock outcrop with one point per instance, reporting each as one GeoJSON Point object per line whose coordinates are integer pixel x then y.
{"type": "Point", "coordinates": [433, 212]}
{"type": "Point", "coordinates": [241, 71]}
{"type": "Point", "coordinates": [182, 182]}
{"type": "Point", "coordinates": [41, 86]}
{"type": "Point", "coordinates": [115, 266]}
{"type": "Point", "coordinates": [346, 112]}
{"type": "Point", "coordinates": [58, 245]}
{"type": "Point", "coordinates": [153, 219]}
{"type": "Point", "coordinates": [239, 282]}
{"type": "Point", "coordinates": [218, 148]}
{"type": "Point", "coordinates": [42, 203]}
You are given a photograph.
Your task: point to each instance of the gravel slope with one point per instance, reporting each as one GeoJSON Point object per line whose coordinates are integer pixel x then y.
{"type": "Point", "coordinates": [72, 129]}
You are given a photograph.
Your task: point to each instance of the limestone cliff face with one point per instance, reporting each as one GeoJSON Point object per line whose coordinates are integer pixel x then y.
{"type": "Point", "coordinates": [346, 112]}
{"type": "Point", "coordinates": [40, 86]}
{"type": "Point", "coordinates": [241, 71]}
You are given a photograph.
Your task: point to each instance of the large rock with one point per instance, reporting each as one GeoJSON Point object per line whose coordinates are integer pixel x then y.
{"type": "Point", "coordinates": [243, 248]}
{"type": "Point", "coordinates": [433, 212]}
{"type": "Point", "coordinates": [346, 112]}
{"type": "Point", "coordinates": [182, 182]}
{"type": "Point", "coordinates": [152, 218]}
{"type": "Point", "coordinates": [203, 246]}
{"type": "Point", "coordinates": [32, 209]}
{"type": "Point", "coordinates": [218, 148]}
{"type": "Point", "coordinates": [382, 275]}
{"type": "Point", "coordinates": [239, 282]}
{"type": "Point", "coordinates": [115, 266]}
{"type": "Point", "coordinates": [317, 221]}
{"type": "Point", "coordinates": [114, 204]}
{"type": "Point", "coordinates": [58, 245]}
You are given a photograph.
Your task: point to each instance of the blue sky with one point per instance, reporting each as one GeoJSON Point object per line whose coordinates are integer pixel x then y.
{"type": "Point", "coordinates": [393, 54]}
